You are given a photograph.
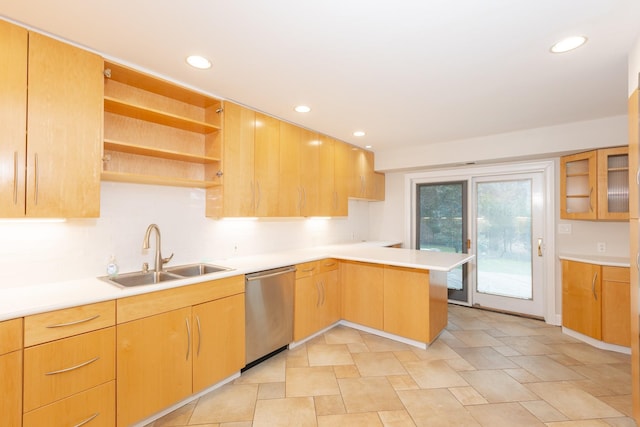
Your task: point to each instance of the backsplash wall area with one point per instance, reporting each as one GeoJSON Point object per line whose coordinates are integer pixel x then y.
{"type": "Point", "coordinates": [43, 252]}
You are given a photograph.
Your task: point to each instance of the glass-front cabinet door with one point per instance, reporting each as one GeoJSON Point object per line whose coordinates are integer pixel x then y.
{"type": "Point", "coordinates": [613, 183]}
{"type": "Point", "coordinates": [578, 186]}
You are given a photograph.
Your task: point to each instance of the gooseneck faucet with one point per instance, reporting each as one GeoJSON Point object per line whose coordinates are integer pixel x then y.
{"type": "Point", "coordinates": [159, 261]}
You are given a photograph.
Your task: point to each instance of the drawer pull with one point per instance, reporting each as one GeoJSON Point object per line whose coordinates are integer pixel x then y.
{"type": "Point", "coordinates": [331, 264]}
{"type": "Point", "coordinates": [308, 270]}
{"type": "Point", "coordinates": [88, 420]}
{"type": "Point", "coordinates": [75, 322]}
{"type": "Point", "coordinates": [62, 371]}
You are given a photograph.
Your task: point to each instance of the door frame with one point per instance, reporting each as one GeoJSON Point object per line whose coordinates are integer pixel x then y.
{"type": "Point", "coordinates": [548, 169]}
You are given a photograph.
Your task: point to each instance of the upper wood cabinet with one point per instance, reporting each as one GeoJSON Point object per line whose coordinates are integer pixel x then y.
{"type": "Point", "coordinates": [50, 150]}
{"type": "Point", "coordinates": [366, 184]}
{"type": "Point", "coordinates": [290, 194]}
{"type": "Point", "coordinates": [634, 155]}
{"type": "Point", "coordinates": [157, 132]}
{"type": "Point", "coordinates": [341, 174]}
{"type": "Point", "coordinates": [310, 147]}
{"type": "Point", "coordinates": [595, 185]}
{"type": "Point", "coordinates": [267, 166]}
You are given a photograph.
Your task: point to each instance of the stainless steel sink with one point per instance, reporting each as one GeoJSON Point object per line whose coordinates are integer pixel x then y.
{"type": "Point", "coordinates": [140, 278]}
{"type": "Point", "coordinates": [143, 278]}
{"type": "Point", "coordinates": [193, 270]}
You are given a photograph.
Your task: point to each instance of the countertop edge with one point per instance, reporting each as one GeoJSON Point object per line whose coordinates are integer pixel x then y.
{"type": "Point", "coordinates": [597, 259]}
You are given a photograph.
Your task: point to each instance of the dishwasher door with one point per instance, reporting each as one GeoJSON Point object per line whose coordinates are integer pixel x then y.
{"type": "Point", "coordinates": [268, 311]}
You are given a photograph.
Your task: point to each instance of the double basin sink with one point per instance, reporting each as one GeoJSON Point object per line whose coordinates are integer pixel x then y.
{"type": "Point", "coordinates": [139, 278]}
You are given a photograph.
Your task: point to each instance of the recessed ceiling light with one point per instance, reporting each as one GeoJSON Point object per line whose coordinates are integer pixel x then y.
{"type": "Point", "coordinates": [368, 146]}
{"type": "Point", "coordinates": [359, 133]}
{"type": "Point", "coordinates": [199, 62]}
{"type": "Point", "coordinates": [302, 109]}
{"type": "Point", "coordinates": [569, 43]}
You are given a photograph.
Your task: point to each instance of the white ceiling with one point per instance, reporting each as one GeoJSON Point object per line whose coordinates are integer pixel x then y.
{"type": "Point", "coordinates": [408, 72]}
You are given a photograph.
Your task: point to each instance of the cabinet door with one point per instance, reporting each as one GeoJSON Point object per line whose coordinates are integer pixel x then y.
{"type": "Point", "coordinates": [406, 303]}
{"type": "Point", "coordinates": [310, 147]}
{"type": "Point", "coordinates": [358, 179]}
{"type": "Point", "coordinates": [238, 196]}
{"type": "Point", "coordinates": [154, 363]}
{"type": "Point", "coordinates": [64, 128]}
{"type": "Point", "coordinates": [578, 186]}
{"type": "Point", "coordinates": [613, 183]}
{"type": "Point", "coordinates": [634, 154]}
{"type": "Point", "coordinates": [326, 177]}
{"type": "Point", "coordinates": [218, 340]}
{"type": "Point", "coordinates": [616, 306]}
{"type": "Point", "coordinates": [267, 165]}
{"type": "Point", "coordinates": [11, 388]}
{"type": "Point", "coordinates": [581, 298]}
{"type": "Point", "coordinates": [362, 293]}
{"type": "Point", "coordinates": [306, 307]}
{"type": "Point", "coordinates": [330, 287]}
{"type": "Point", "coordinates": [290, 192]}
{"type": "Point", "coordinates": [342, 173]}
{"type": "Point", "coordinates": [13, 119]}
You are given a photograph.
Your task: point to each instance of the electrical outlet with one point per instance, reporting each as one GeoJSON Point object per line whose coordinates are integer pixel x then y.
{"type": "Point", "coordinates": [564, 228]}
{"type": "Point", "coordinates": [602, 247]}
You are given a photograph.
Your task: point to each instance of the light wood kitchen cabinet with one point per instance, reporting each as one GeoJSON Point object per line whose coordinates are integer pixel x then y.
{"type": "Point", "coordinates": [52, 132]}
{"type": "Point", "coordinates": [366, 184]}
{"type": "Point", "coordinates": [290, 195]}
{"type": "Point", "coordinates": [175, 342]}
{"type": "Point", "coordinates": [341, 160]}
{"type": "Point", "coordinates": [634, 155]}
{"type": "Point", "coordinates": [316, 297]}
{"type": "Point", "coordinates": [362, 286]}
{"type": "Point", "coordinates": [236, 197]}
{"type": "Point", "coordinates": [616, 306]}
{"type": "Point", "coordinates": [310, 147]}
{"type": "Point", "coordinates": [595, 185]}
{"type": "Point", "coordinates": [154, 358]}
{"type": "Point", "coordinates": [634, 233]}
{"type": "Point", "coordinates": [219, 341]}
{"type": "Point", "coordinates": [406, 303]}
{"type": "Point", "coordinates": [581, 298]}
{"type": "Point", "coordinates": [98, 409]}
{"type": "Point", "coordinates": [157, 132]}
{"type": "Point", "coordinates": [11, 372]}
{"type": "Point", "coordinates": [267, 166]}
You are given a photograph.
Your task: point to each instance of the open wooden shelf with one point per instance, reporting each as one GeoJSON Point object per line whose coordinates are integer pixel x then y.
{"type": "Point", "coordinates": [116, 106]}
{"type": "Point", "coordinates": [156, 180]}
{"type": "Point", "coordinates": [124, 147]}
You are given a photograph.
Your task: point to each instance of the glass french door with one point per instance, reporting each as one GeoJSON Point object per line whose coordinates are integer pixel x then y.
{"type": "Point", "coordinates": [508, 226]}
{"type": "Point", "coordinates": [441, 225]}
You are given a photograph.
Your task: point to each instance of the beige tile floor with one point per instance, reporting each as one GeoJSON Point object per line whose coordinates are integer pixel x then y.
{"type": "Point", "coordinates": [485, 369]}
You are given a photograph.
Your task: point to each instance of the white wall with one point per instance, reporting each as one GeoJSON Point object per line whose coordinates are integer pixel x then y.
{"type": "Point", "coordinates": [32, 253]}
{"type": "Point", "coordinates": [531, 143]}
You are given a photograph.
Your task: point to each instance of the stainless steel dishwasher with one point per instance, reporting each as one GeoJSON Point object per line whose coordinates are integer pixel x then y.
{"type": "Point", "coordinates": [268, 312]}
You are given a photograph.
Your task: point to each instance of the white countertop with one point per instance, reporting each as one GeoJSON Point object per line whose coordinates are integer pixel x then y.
{"type": "Point", "coordinates": [27, 300]}
{"type": "Point", "coordinates": [598, 259]}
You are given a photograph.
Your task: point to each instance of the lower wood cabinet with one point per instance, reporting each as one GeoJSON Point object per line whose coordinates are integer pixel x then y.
{"type": "Point", "coordinates": [595, 301]}
{"type": "Point", "coordinates": [195, 339]}
{"type": "Point", "coordinates": [362, 293]}
{"type": "Point", "coordinates": [95, 407]}
{"type": "Point", "coordinates": [316, 297]}
{"type": "Point", "coordinates": [11, 372]}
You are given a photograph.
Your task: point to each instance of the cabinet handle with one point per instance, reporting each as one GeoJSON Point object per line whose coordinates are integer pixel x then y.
{"type": "Point", "coordinates": [15, 177]}
{"type": "Point", "coordinates": [37, 178]}
{"type": "Point", "coordinates": [362, 185]}
{"type": "Point", "coordinates": [335, 201]}
{"type": "Point", "coordinates": [75, 322]}
{"type": "Point", "coordinates": [304, 197]}
{"type": "Point", "coordinates": [308, 270]}
{"type": "Point", "coordinates": [638, 260]}
{"type": "Point", "coordinates": [62, 371]}
{"type": "Point", "coordinates": [331, 264]}
{"type": "Point", "coordinates": [199, 335]}
{"type": "Point", "coordinates": [253, 194]}
{"type": "Point", "coordinates": [318, 291]}
{"type": "Point", "coordinates": [322, 287]}
{"type": "Point", "coordinates": [593, 285]}
{"type": "Point", "coordinates": [188, 338]}
{"type": "Point", "coordinates": [88, 420]}
{"type": "Point", "coordinates": [638, 177]}
{"type": "Point", "coordinates": [590, 204]}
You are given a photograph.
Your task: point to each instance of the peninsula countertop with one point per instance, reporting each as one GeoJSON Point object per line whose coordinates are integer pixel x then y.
{"type": "Point", "coordinates": [26, 300]}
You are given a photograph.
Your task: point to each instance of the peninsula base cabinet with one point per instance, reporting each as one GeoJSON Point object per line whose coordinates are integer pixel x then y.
{"type": "Point", "coordinates": [595, 301]}
{"type": "Point", "coordinates": [11, 372]}
{"type": "Point", "coordinates": [316, 297]}
{"type": "Point", "coordinates": [177, 342]}
{"type": "Point", "coordinates": [397, 300]}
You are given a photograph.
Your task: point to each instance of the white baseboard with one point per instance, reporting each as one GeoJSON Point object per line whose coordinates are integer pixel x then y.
{"type": "Point", "coordinates": [596, 343]}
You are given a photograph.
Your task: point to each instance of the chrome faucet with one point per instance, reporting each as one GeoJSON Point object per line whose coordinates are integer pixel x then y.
{"type": "Point", "coordinates": [159, 261]}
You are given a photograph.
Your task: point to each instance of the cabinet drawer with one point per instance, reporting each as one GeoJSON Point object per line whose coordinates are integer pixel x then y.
{"type": "Point", "coordinates": [61, 368]}
{"type": "Point", "coordinates": [54, 325]}
{"type": "Point", "coordinates": [95, 407]}
{"type": "Point", "coordinates": [615, 274]}
{"type": "Point", "coordinates": [306, 269]}
{"type": "Point", "coordinates": [328, 264]}
{"type": "Point", "coordinates": [10, 335]}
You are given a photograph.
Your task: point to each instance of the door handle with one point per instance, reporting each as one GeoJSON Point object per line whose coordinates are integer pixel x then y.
{"type": "Point", "coordinates": [540, 246]}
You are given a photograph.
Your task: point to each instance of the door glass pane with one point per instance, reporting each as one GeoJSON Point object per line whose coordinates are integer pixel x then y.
{"type": "Point", "coordinates": [441, 226]}
{"type": "Point", "coordinates": [504, 238]}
